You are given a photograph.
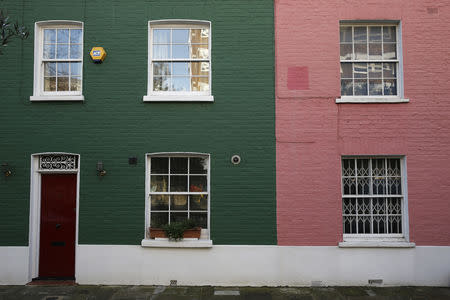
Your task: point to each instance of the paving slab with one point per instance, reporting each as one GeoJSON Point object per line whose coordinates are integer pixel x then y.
{"type": "Point", "coordinates": [105, 292]}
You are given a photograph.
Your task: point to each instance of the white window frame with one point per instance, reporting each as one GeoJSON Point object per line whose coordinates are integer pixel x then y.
{"type": "Point", "coordinates": [38, 83]}
{"type": "Point", "coordinates": [400, 240]}
{"type": "Point", "coordinates": [151, 96]}
{"type": "Point", "coordinates": [399, 98]}
{"type": "Point", "coordinates": [204, 241]}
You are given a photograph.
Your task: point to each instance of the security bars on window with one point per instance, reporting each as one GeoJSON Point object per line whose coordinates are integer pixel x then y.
{"type": "Point", "coordinates": [62, 59]}
{"type": "Point", "coordinates": [369, 60]}
{"type": "Point", "coordinates": [180, 60]}
{"type": "Point", "coordinates": [178, 190]}
{"type": "Point", "coordinates": [372, 197]}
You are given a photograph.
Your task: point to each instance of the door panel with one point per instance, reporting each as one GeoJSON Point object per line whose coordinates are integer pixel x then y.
{"type": "Point", "coordinates": [58, 222]}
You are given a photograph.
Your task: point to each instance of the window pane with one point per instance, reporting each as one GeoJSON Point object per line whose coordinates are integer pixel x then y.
{"type": "Point", "coordinates": [389, 70]}
{"type": "Point", "coordinates": [180, 36]}
{"type": "Point", "coordinates": [360, 51]}
{"type": "Point", "coordinates": [62, 51]}
{"type": "Point", "coordinates": [75, 36]}
{"type": "Point", "coordinates": [375, 87]}
{"type": "Point", "coordinates": [178, 165]}
{"type": "Point", "coordinates": [347, 87]}
{"type": "Point", "coordinates": [199, 36]}
{"type": "Point", "coordinates": [346, 51]}
{"type": "Point", "coordinates": [393, 167]}
{"type": "Point", "coordinates": [49, 84]}
{"type": "Point", "coordinates": [75, 51]}
{"type": "Point", "coordinates": [360, 70]}
{"type": "Point", "coordinates": [389, 34]}
{"type": "Point", "coordinates": [346, 70]}
{"type": "Point", "coordinates": [63, 36]}
{"type": "Point", "coordinates": [360, 87]}
{"type": "Point", "coordinates": [49, 36]}
{"type": "Point", "coordinates": [200, 68]}
{"type": "Point", "coordinates": [390, 87]}
{"type": "Point", "coordinates": [161, 51]}
{"type": "Point", "coordinates": [198, 202]}
{"type": "Point", "coordinates": [180, 84]}
{"type": "Point", "coordinates": [349, 186]}
{"type": "Point", "coordinates": [159, 202]}
{"type": "Point", "coordinates": [158, 219]}
{"type": "Point", "coordinates": [390, 51]}
{"type": "Point", "coordinates": [75, 68]}
{"type": "Point", "coordinates": [201, 219]}
{"type": "Point", "coordinates": [181, 68]}
{"type": "Point", "coordinates": [161, 36]}
{"type": "Point", "coordinates": [200, 84]}
{"type": "Point", "coordinates": [198, 184]}
{"type": "Point", "coordinates": [375, 34]}
{"type": "Point", "coordinates": [198, 165]}
{"type": "Point", "coordinates": [49, 69]}
{"type": "Point", "coordinates": [49, 51]}
{"type": "Point", "coordinates": [178, 183]}
{"type": "Point", "coordinates": [161, 83]}
{"type": "Point", "coordinates": [63, 83]}
{"type": "Point", "coordinates": [178, 202]}
{"type": "Point", "coordinates": [159, 183]}
{"type": "Point", "coordinates": [200, 51]}
{"type": "Point", "coordinates": [375, 51]}
{"type": "Point", "coordinates": [180, 51]}
{"type": "Point", "coordinates": [178, 217]}
{"type": "Point", "coordinates": [159, 165]}
{"type": "Point", "coordinates": [360, 34]}
{"type": "Point", "coordinates": [345, 34]}
{"type": "Point", "coordinates": [375, 70]}
{"type": "Point", "coordinates": [63, 69]}
{"type": "Point", "coordinates": [75, 83]}
{"type": "Point", "coordinates": [161, 68]}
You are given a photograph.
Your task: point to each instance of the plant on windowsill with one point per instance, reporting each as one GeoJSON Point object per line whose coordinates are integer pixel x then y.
{"type": "Point", "coordinates": [176, 231]}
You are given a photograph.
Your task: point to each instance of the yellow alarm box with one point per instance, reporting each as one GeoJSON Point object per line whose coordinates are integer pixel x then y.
{"type": "Point", "coordinates": [98, 54]}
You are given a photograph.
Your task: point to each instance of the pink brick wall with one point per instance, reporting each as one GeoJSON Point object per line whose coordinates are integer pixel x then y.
{"type": "Point", "coordinates": [313, 132]}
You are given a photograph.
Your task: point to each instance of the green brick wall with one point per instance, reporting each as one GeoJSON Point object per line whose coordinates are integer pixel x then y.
{"type": "Point", "coordinates": [113, 123]}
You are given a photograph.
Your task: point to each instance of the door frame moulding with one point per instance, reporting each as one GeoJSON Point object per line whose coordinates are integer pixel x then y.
{"type": "Point", "coordinates": [35, 208]}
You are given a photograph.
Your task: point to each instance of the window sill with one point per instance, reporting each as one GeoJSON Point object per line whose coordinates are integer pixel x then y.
{"type": "Point", "coordinates": [185, 243]}
{"type": "Point", "coordinates": [57, 98]}
{"type": "Point", "coordinates": [178, 98]}
{"type": "Point", "coordinates": [371, 100]}
{"type": "Point", "coordinates": [397, 243]}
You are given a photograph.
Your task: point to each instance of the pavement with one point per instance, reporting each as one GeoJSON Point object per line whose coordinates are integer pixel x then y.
{"type": "Point", "coordinates": [100, 292]}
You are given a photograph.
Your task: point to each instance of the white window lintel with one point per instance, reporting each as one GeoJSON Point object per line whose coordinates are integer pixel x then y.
{"type": "Point", "coordinates": [369, 99]}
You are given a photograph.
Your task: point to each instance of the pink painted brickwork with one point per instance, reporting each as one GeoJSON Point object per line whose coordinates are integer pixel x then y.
{"type": "Point", "coordinates": [313, 132]}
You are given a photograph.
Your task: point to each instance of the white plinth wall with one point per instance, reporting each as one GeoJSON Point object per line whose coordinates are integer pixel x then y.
{"type": "Point", "coordinates": [245, 265]}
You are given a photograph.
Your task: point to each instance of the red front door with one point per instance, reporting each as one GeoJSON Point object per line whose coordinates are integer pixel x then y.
{"type": "Point", "coordinates": [58, 215]}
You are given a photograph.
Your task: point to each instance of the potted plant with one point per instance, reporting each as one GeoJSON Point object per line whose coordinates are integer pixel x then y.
{"type": "Point", "coordinates": [176, 231]}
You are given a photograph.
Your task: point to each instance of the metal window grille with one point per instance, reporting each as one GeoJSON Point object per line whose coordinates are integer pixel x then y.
{"type": "Point", "coordinates": [372, 195]}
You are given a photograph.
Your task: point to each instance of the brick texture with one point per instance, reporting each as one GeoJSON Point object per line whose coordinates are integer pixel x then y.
{"type": "Point", "coordinates": [113, 123]}
{"type": "Point", "coordinates": [313, 132]}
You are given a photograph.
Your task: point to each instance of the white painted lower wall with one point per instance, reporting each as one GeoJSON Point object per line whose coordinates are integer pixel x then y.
{"type": "Point", "coordinates": [14, 265]}
{"type": "Point", "coordinates": [262, 265]}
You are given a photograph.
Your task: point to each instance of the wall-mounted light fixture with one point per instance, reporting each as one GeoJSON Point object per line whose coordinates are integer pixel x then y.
{"type": "Point", "coordinates": [100, 169]}
{"type": "Point", "coordinates": [6, 169]}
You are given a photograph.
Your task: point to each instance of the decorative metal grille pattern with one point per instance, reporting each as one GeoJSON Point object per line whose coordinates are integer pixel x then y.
{"type": "Point", "coordinates": [58, 162]}
{"type": "Point", "coordinates": [372, 196]}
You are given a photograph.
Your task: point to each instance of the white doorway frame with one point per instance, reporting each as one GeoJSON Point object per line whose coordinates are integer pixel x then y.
{"type": "Point", "coordinates": [35, 209]}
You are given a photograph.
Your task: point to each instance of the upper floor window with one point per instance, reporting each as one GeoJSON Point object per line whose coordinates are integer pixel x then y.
{"type": "Point", "coordinates": [58, 61]}
{"type": "Point", "coordinates": [179, 61]}
{"type": "Point", "coordinates": [370, 63]}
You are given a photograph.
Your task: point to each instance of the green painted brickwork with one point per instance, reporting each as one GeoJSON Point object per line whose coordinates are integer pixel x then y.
{"type": "Point", "coordinates": [113, 123]}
